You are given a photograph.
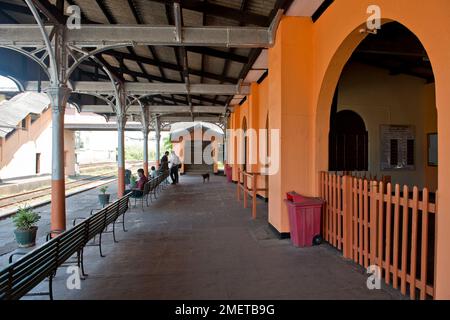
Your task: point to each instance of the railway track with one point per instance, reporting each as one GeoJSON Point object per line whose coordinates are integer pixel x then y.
{"type": "Point", "coordinates": [26, 197]}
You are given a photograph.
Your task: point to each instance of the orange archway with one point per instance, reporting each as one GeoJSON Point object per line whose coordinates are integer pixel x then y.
{"type": "Point", "coordinates": [335, 39]}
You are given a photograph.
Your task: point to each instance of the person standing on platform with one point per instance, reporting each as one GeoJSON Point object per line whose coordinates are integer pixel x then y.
{"type": "Point", "coordinates": [164, 162]}
{"type": "Point", "coordinates": [174, 166]}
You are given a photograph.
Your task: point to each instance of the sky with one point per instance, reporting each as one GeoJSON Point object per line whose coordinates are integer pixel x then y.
{"type": "Point", "coordinates": [7, 84]}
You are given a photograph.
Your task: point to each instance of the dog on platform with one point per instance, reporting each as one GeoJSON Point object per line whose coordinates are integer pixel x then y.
{"type": "Point", "coordinates": [205, 177]}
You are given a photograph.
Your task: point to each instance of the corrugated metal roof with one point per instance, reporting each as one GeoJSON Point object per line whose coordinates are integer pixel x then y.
{"type": "Point", "coordinates": [13, 111]}
{"type": "Point", "coordinates": [165, 64]}
{"type": "Point", "coordinates": [262, 7]}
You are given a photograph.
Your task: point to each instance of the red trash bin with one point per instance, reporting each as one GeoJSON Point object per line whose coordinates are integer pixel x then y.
{"type": "Point", "coordinates": [229, 173]}
{"type": "Point", "coordinates": [305, 218]}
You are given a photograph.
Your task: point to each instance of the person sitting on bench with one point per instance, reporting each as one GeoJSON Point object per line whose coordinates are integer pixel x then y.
{"type": "Point", "coordinates": [153, 173]}
{"type": "Point", "coordinates": [138, 191]}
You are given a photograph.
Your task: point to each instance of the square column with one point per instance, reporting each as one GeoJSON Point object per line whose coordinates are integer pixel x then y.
{"type": "Point", "coordinates": [290, 102]}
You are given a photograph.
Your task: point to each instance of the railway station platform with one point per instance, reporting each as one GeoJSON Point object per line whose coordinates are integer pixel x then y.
{"type": "Point", "coordinates": [196, 242]}
{"type": "Point", "coordinates": [346, 101]}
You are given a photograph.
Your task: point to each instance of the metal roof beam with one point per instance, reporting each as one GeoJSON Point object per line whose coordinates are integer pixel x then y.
{"type": "Point", "coordinates": [110, 36]}
{"type": "Point", "coordinates": [136, 109]}
{"type": "Point", "coordinates": [172, 119]}
{"type": "Point", "coordinates": [131, 35]}
{"type": "Point", "coordinates": [213, 119]}
{"type": "Point", "coordinates": [142, 88]}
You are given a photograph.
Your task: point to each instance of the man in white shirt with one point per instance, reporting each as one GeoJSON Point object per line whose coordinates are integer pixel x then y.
{"type": "Point", "coordinates": [153, 173]}
{"type": "Point", "coordinates": [174, 164]}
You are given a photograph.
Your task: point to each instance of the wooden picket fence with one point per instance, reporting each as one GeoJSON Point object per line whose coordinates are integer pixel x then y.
{"type": "Point", "coordinates": [374, 223]}
{"type": "Point", "coordinates": [248, 185]}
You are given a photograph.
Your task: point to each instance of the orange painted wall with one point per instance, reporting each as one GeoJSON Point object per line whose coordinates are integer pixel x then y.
{"type": "Point", "coordinates": [304, 67]}
{"type": "Point", "coordinates": [254, 111]}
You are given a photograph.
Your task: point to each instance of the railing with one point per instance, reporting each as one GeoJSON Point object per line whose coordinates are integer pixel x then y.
{"type": "Point", "coordinates": [375, 223]}
{"type": "Point", "coordinates": [249, 189]}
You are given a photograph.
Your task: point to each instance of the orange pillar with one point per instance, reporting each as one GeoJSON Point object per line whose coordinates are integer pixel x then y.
{"type": "Point", "coordinates": [146, 168]}
{"type": "Point", "coordinates": [58, 205]}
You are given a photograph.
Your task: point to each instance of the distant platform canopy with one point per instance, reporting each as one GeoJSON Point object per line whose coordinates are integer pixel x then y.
{"type": "Point", "coordinates": [13, 111]}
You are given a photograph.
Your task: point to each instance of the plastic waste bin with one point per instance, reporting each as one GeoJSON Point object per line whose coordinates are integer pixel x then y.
{"type": "Point", "coordinates": [229, 173]}
{"type": "Point", "coordinates": [305, 218]}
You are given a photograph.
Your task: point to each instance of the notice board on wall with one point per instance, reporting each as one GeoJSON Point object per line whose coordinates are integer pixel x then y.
{"type": "Point", "coordinates": [397, 147]}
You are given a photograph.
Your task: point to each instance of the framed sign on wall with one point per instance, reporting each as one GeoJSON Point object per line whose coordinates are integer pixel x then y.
{"type": "Point", "coordinates": [397, 147]}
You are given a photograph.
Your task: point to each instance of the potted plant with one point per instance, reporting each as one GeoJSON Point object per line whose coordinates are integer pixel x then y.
{"type": "Point", "coordinates": [25, 221]}
{"type": "Point", "coordinates": [103, 197]}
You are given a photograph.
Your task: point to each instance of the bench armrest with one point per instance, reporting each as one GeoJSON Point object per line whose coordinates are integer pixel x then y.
{"type": "Point", "coordinates": [96, 209]}
{"type": "Point", "coordinates": [53, 232]}
{"type": "Point", "coordinates": [15, 254]}
{"type": "Point", "coordinates": [76, 219]}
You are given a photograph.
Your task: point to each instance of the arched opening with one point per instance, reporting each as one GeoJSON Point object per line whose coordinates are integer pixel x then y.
{"type": "Point", "coordinates": [383, 117]}
{"type": "Point", "coordinates": [348, 141]}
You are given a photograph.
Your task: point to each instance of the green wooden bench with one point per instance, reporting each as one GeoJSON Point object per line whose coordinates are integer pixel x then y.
{"type": "Point", "coordinates": [21, 276]}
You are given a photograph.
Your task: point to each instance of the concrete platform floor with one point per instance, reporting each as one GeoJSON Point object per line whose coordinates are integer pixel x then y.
{"type": "Point", "coordinates": [197, 242]}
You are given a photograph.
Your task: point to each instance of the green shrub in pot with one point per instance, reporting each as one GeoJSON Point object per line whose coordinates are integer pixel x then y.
{"type": "Point", "coordinates": [25, 221]}
{"type": "Point", "coordinates": [103, 197]}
